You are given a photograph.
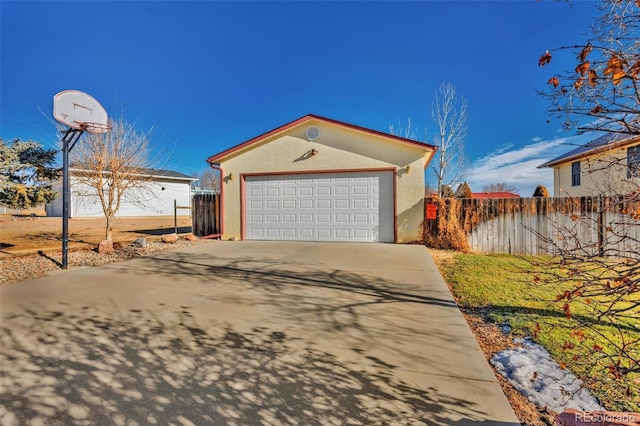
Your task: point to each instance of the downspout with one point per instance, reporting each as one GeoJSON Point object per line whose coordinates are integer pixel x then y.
{"type": "Point", "coordinates": [219, 235]}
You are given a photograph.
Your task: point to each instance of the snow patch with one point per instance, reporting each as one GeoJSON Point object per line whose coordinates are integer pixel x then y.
{"type": "Point", "coordinates": [533, 371]}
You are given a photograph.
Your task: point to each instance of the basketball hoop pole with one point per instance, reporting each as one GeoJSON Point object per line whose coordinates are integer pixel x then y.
{"type": "Point", "coordinates": [80, 112]}
{"type": "Point", "coordinates": [69, 140]}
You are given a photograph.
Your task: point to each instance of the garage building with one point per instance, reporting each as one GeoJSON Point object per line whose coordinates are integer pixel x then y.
{"type": "Point", "coordinates": [318, 179]}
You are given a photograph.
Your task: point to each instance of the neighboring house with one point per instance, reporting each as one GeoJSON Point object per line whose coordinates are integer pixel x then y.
{"type": "Point", "coordinates": [607, 165]}
{"type": "Point", "coordinates": [494, 195]}
{"type": "Point", "coordinates": [318, 179]}
{"type": "Point", "coordinates": [154, 198]}
{"type": "Point", "coordinates": [38, 210]}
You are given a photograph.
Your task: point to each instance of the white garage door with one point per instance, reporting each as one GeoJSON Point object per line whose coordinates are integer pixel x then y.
{"type": "Point", "coordinates": [320, 207]}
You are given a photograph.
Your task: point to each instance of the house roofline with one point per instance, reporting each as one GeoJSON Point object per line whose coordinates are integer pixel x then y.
{"type": "Point", "coordinates": [309, 117]}
{"type": "Point", "coordinates": [595, 150]}
{"type": "Point", "coordinates": [167, 177]}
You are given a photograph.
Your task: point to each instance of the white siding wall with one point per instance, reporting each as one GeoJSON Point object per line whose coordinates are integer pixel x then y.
{"type": "Point", "coordinates": [156, 199]}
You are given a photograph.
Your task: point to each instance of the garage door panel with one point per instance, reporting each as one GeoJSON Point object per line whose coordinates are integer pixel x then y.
{"type": "Point", "coordinates": [341, 218]}
{"type": "Point", "coordinates": [256, 233]}
{"type": "Point", "coordinates": [341, 204]}
{"type": "Point", "coordinates": [360, 218]}
{"type": "Point", "coordinates": [360, 233]}
{"type": "Point", "coordinates": [306, 218]}
{"type": "Point", "coordinates": [306, 233]}
{"type": "Point", "coordinates": [361, 204]}
{"type": "Point", "coordinates": [323, 204]}
{"type": "Point", "coordinates": [323, 191]}
{"type": "Point", "coordinates": [320, 207]}
{"type": "Point", "coordinates": [256, 204]}
{"type": "Point", "coordinates": [305, 191]}
{"type": "Point", "coordinates": [323, 218]}
{"type": "Point", "coordinates": [257, 217]}
{"type": "Point", "coordinates": [288, 191]}
{"type": "Point", "coordinates": [343, 234]}
{"type": "Point", "coordinates": [324, 234]}
{"type": "Point", "coordinates": [290, 218]}
{"type": "Point", "coordinates": [360, 190]}
{"type": "Point", "coordinates": [341, 190]}
{"type": "Point", "coordinates": [288, 204]}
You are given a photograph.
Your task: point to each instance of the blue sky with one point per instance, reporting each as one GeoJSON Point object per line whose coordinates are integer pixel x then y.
{"type": "Point", "coordinates": [209, 75]}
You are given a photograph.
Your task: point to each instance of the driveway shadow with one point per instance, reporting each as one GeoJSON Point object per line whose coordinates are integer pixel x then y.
{"type": "Point", "coordinates": [82, 365]}
{"type": "Point", "coordinates": [278, 275]}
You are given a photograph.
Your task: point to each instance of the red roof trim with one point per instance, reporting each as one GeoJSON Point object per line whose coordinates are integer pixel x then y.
{"type": "Point", "coordinates": [310, 117]}
{"type": "Point", "coordinates": [494, 195]}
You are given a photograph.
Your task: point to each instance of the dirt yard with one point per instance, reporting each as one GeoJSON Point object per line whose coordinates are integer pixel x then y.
{"type": "Point", "coordinates": [27, 235]}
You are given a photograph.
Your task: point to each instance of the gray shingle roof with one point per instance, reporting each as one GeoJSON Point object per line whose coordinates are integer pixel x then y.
{"type": "Point", "coordinates": [165, 173]}
{"type": "Point", "coordinates": [149, 172]}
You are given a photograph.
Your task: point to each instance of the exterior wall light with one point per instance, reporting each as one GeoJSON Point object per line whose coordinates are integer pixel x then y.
{"type": "Point", "coordinates": [312, 152]}
{"type": "Point", "coordinates": [407, 169]}
{"type": "Point", "coordinates": [231, 176]}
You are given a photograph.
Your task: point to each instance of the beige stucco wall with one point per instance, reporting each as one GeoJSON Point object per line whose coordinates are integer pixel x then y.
{"type": "Point", "coordinates": [604, 173]}
{"type": "Point", "coordinates": [339, 149]}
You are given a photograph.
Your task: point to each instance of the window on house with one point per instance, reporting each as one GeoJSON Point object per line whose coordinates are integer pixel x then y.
{"type": "Point", "coordinates": [633, 161]}
{"type": "Point", "coordinates": [575, 173]}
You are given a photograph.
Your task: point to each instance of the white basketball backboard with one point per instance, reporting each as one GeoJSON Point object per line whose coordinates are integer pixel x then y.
{"type": "Point", "coordinates": [81, 111]}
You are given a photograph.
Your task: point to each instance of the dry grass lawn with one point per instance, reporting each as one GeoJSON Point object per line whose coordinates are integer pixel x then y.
{"type": "Point", "coordinates": [27, 235]}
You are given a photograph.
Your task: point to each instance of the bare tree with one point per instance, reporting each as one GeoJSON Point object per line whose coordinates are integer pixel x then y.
{"type": "Point", "coordinates": [207, 179]}
{"type": "Point", "coordinates": [449, 111]}
{"type": "Point", "coordinates": [112, 166]}
{"type": "Point", "coordinates": [499, 187]}
{"type": "Point", "coordinates": [405, 131]}
{"type": "Point", "coordinates": [602, 92]}
{"type": "Point", "coordinates": [597, 282]}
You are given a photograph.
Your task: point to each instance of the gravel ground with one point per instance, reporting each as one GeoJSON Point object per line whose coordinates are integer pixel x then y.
{"type": "Point", "coordinates": [22, 268]}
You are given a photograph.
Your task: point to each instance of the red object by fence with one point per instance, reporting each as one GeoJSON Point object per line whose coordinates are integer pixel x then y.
{"type": "Point", "coordinates": [431, 211]}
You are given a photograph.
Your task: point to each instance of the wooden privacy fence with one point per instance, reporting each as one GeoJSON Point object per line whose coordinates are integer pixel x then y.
{"type": "Point", "coordinates": [206, 214]}
{"type": "Point", "coordinates": [605, 226]}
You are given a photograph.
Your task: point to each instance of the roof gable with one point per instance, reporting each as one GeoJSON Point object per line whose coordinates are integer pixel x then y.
{"type": "Point", "coordinates": [604, 142]}
{"type": "Point", "coordinates": [251, 143]}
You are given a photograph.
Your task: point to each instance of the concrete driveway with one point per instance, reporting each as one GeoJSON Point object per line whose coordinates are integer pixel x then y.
{"type": "Point", "coordinates": [245, 333]}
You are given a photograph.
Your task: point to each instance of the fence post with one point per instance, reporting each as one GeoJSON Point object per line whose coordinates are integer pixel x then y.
{"type": "Point", "coordinates": [175, 216]}
{"type": "Point", "coordinates": [600, 226]}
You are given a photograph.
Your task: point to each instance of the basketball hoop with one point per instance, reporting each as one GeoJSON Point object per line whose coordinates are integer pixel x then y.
{"type": "Point", "coordinates": [91, 127]}
{"type": "Point", "coordinates": [81, 113]}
